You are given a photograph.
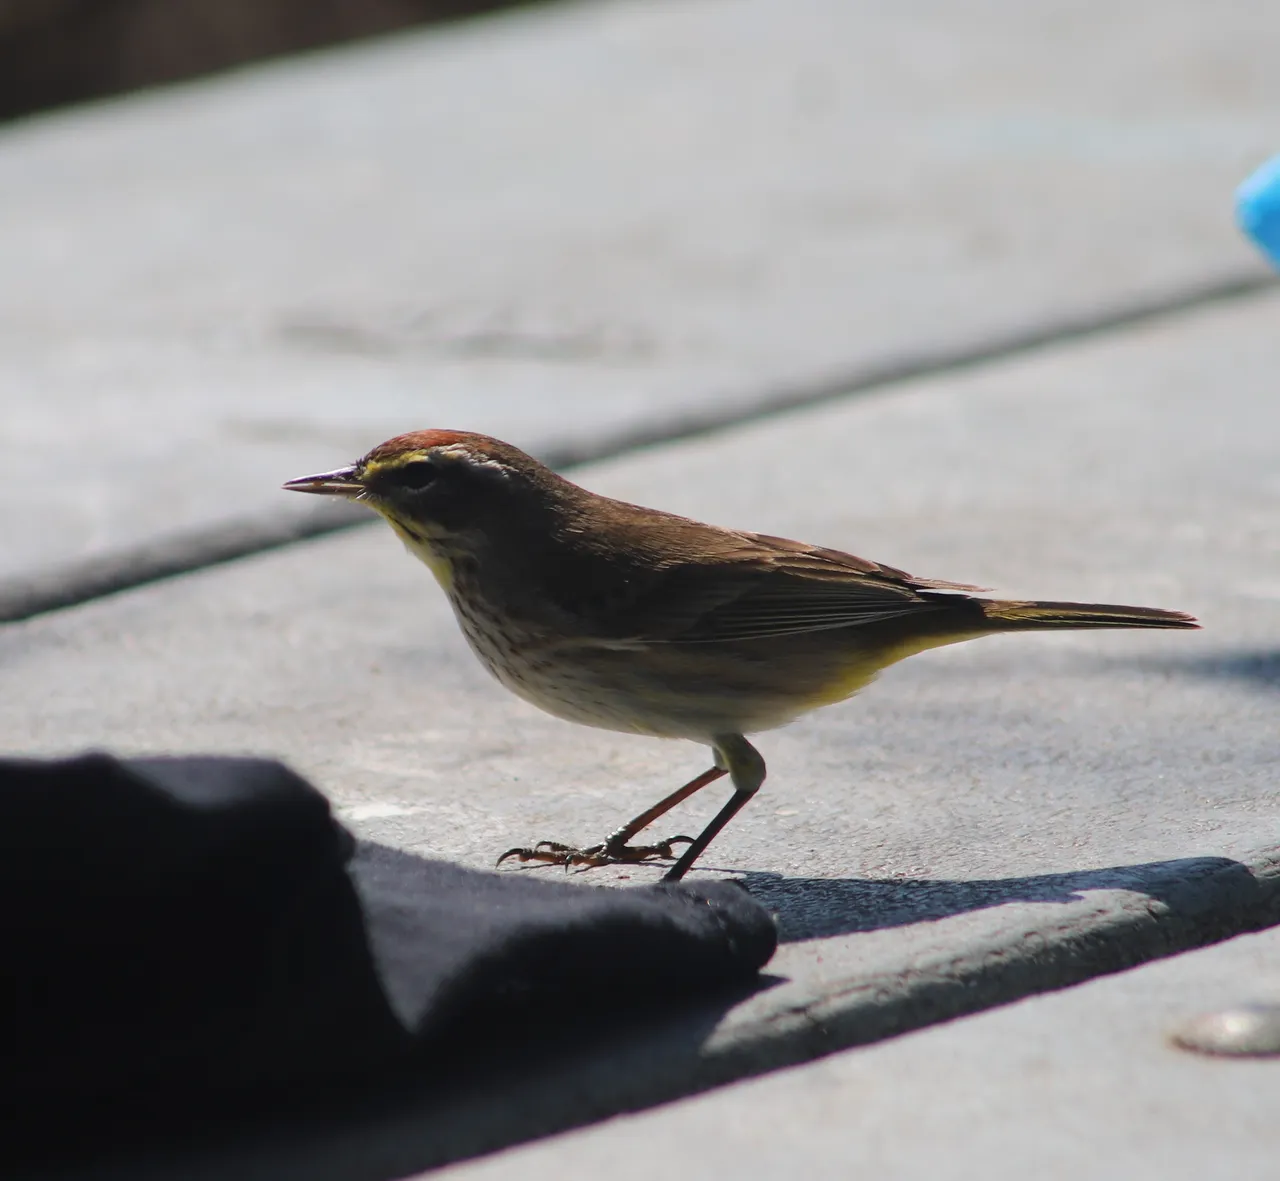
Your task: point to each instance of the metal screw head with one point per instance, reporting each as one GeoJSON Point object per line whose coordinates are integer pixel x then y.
{"type": "Point", "coordinates": [1245, 1031]}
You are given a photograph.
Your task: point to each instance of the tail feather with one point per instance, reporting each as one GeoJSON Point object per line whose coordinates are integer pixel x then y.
{"type": "Point", "coordinates": [1013, 616]}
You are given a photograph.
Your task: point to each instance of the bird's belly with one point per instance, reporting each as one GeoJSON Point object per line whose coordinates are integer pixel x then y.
{"type": "Point", "coordinates": [580, 690]}
{"type": "Point", "coordinates": [693, 691]}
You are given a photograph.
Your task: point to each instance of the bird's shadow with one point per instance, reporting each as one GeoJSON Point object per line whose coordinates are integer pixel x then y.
{"type": "Point", "coordinates": [819, 908]}
{"type": "Point", "coordinates": [1257, 669]}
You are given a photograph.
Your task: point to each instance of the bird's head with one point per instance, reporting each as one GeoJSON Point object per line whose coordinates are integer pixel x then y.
{"type": "Point", "coordinates": [443, 492]}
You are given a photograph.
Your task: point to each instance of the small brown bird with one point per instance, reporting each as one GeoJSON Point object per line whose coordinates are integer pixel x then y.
{"type": "Point", "coordinates": [631, 619]}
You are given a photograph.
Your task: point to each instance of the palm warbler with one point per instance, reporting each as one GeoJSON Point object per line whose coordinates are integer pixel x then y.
{"type": "Point", "coordinates": [636, 620]}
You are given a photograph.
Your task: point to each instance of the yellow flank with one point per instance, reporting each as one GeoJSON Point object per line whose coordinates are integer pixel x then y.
{"type": "Point", "coordinates": [865, 666]}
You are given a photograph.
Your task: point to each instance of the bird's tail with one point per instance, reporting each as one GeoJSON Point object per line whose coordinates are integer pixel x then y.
{"type": "Point", "coordinates": [1019, 616]}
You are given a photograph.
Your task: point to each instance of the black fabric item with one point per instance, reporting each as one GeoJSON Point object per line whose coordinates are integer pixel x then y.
{"type": "Point", "coordinates": [181, 926]}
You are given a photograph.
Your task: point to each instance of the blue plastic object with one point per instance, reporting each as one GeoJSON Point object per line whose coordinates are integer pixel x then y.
{"type": "Point", "coordinates": [1258, 209]}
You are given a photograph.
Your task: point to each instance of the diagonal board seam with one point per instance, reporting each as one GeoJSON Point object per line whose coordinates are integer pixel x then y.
{"type": "Point", "coordinates": [191, 550]}
{"type": "Point", "coordinates": [1134, 929]}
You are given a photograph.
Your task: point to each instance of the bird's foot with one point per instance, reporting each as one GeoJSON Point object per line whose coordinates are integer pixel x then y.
{"type": "Point", "coordinates": [609, 852]}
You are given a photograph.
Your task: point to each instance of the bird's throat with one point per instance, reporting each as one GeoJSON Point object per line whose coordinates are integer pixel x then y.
{"type": "Point", "coordinates": [422, 549]}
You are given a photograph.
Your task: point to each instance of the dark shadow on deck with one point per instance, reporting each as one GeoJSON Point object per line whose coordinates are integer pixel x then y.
{"type": "Point", "coordinates": [471, 1099]}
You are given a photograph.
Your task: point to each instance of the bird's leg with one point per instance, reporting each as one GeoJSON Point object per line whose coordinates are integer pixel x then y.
{"type": "Point", "coordinates": [746, 769]}
{"type": "Point", "coordinates": [614, 849]}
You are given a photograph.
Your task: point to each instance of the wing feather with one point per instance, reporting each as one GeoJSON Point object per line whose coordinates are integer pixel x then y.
{"type": "Point", "coordinates": [771, 587]}
{"type": "Point", "coordinates": [779, 602]}
{"type": "Point", "coordinates": [678, 581]}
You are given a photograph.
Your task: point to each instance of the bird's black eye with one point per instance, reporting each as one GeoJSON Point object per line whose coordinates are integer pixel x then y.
{"type": "Point", "coordinates": [416, 475]}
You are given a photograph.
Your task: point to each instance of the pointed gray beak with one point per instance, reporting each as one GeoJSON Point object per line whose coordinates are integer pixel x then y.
{"type": "Point", "coordinates": [343, 482]}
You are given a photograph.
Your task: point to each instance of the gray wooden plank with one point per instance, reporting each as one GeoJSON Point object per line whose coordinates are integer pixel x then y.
{"type": "Point", "coordinates": [577, 224]}
{"type": "Point", "coordinates": [986, 822]}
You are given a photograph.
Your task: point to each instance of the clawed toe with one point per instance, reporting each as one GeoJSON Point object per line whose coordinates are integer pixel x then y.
{"type": "Point", "coordinates": [663, 851]}
{"type": "Point", "coordinates": [605, 853]}
{"type": "Point", "coordinates": [549, 852]}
